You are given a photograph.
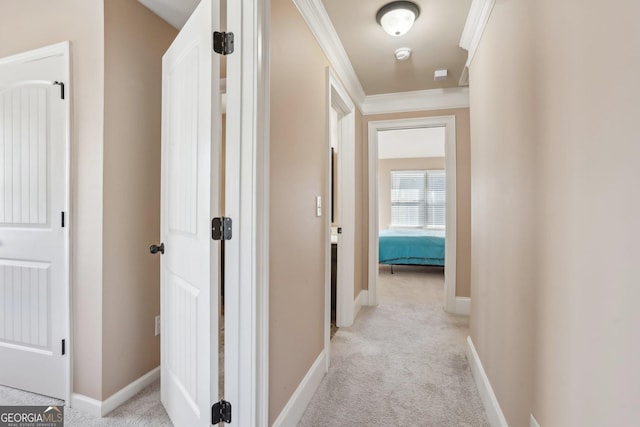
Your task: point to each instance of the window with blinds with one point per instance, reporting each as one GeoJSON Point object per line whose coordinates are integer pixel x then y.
{"type": "Point", "coordinates": [418, 198]}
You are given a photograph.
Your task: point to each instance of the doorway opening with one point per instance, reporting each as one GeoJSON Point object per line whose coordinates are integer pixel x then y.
{"type": "Point", "coordinates": [375, 128]}
{"type": "Point", "coordinates": [412, 197]}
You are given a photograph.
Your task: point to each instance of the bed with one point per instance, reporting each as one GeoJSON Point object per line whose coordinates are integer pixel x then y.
{"type": "Point", "coordinates": [411, 247]}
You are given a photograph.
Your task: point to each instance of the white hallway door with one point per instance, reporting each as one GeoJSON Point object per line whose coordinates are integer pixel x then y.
{"type": "Point", "coordinates": [191, 126]}
{"type": "Point", "coordinates": [33, 240]}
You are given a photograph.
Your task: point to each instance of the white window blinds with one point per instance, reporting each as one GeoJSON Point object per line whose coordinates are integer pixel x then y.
{"type": "Point", "coordinates": [418, 198]}
{"type": "Point", "coordinates": [436, 198]}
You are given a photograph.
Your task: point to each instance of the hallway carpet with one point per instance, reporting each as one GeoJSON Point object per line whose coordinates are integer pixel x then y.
{"type": "Point", "coordinates": [402, 363]}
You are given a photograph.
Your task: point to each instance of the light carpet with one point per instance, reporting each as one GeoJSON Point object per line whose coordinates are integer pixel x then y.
{"type": "Point", "coordinates": [402, 363]}
{"type": "Point", "coordinates": [144, 409]}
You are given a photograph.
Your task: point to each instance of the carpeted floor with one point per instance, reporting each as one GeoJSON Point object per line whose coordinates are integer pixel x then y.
{"type": "Point", "coordinates": [402, 363]}
{"type": "Point", "coordinates": [144, 409]}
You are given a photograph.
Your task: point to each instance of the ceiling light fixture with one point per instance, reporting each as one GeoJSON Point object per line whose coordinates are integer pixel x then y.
{"type": "Point", "coordinates": [397, 17]}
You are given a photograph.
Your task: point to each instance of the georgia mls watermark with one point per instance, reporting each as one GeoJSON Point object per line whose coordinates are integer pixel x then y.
{"type": "Point", "coordinates": [31, 416]}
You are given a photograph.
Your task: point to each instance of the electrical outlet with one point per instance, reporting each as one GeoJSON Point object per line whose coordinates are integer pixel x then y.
{"type": "Point", "coordinates": [157, 325]}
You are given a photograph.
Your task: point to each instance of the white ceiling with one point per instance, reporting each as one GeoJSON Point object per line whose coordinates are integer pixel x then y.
{"type": "Point", "coordinates": [175, 12]}
{"type": "Point", "coordinates": [411, 143]}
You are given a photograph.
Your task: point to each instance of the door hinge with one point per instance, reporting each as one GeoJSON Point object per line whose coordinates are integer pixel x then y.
{"type": "Point", "coordinates": [221, 228]}
{"type": "Point", "coordinates": [64, 347]}
{"type": "Point", "coordinates": [61, 88]}
{"type": "Point", "coordinates": [221, 412]}
{"type": "Point", "coordinates": [222, 43]}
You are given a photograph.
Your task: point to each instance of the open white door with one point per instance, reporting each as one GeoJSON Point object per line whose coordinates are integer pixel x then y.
{"type": "Point", "coordinates": [190, 187]}
{"type": "Point", "coordinates": [34, 311]}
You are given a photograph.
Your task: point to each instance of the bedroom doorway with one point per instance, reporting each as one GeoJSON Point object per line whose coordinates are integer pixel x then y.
{"type": "Point", "coordinates": [374, 131]}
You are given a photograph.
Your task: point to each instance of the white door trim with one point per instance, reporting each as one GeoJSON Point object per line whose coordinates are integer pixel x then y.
{"type": "Point", "coordinates": [63, 49]}
{"type": "Point", "coordinates": [449, 123]}
{"type": "Point", "coordinates": [340, 101]}
{"type": "Point", "coordinates": [247, 203]}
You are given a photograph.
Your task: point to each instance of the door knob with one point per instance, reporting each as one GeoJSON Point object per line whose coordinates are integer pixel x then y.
{"type": "Point", "coordinates": [154, 249]}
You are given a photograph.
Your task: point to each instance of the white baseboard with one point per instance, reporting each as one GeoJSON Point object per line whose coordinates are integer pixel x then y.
{"type": "Point", "coordinates": [463, 305]}
{"type": "Point", "coordinates": [86, 404]}
{"type": "Point", "coordinates": [534, 422]}
{"type": "Point", "coordinates": [362, 299]}
{"type": "Point", "coordinates": [99, 408]}
{"type": "Point", "coordinates": [127, 392]}
{"type": "Point", "coordinates": [489, 400]}
{"type": "Point", "coordinates": [297, 404]}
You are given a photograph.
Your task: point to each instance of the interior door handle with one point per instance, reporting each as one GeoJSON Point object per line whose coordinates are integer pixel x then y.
{"type": "Point", "coordinates": [154, 249]}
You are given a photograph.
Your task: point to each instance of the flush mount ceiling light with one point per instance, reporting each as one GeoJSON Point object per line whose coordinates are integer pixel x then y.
{"type": "Point", "coordinates": [397, 17]}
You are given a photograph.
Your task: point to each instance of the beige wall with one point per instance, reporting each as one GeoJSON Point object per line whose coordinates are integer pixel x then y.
{"type": "Point", "coordinates": [554, 259]}
{"type": "Point", "coordinates": [299, 144]}
{"type": "Point", "coordinates": [385, 166]}
{"type": "Point", "coordinates": [298, 155]}
{"type": "Point", "coordinates": [297, 236]}
{"type": "Point", "coordinates": [135, 40]}
{"type": "Point", "coordinates": [503, 257]}
{"type": "Point", "coordinates": [30, 24]}
{"type": "Point", "coordinates": [463, 200]}
{"type": "Point", "coordinates": [588, 347]}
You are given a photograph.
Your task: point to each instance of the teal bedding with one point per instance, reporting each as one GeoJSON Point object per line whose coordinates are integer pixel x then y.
{"type": "Point", "coordinates": [411, 246]}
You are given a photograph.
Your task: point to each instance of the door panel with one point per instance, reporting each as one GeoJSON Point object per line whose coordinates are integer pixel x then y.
{"type": "Point", "coordinates": [33, 243]}
{"type": "Point", "coordinates": [190, 188]}
{"type": "Point", "coordinates": [23, 187]}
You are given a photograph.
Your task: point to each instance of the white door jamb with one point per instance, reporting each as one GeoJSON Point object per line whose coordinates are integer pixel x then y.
{"type": "Point", "coordinates": [247, 203]}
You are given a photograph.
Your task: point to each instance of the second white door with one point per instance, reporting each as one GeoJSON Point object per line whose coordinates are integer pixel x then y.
{"type": "Point", "coordinates": [33, 235]}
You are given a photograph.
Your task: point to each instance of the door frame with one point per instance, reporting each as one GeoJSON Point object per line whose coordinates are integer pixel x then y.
{"type": "Point", "coordinates": [61, 49]}
{"type": "Point", "coordinates": [339, 100]}
{"type": "Point", "coordinates": [247, 203]}
{"type": "Point", "coordinates": [449, 123]}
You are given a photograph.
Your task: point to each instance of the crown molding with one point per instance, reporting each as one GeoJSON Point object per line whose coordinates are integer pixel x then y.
{"type": "Point", "coordinates": [421, 100]}
{"type": "Point", "coordinates": [322, 28]}
{"type": "Point", "coordinates": [477, 19]}
{"type": "Point", "coordinates": [464, 77]}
